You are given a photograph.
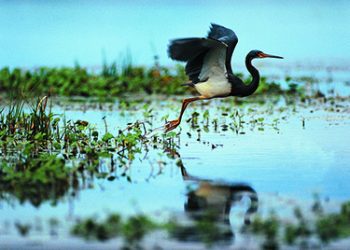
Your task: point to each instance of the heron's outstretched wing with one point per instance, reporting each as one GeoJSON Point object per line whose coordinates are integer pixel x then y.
{"type": "Point", "coordinates": [196, 51]}
{"type": "Point", "coordinates": [224, 35]}
{"type": "Point", "coordinates": [185, 49]}
{"type": "Point", "coordinates": [205, 57]}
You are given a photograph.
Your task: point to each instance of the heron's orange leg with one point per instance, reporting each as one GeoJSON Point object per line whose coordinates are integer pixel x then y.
{"type": "Point", "coordinates": [173, 124]}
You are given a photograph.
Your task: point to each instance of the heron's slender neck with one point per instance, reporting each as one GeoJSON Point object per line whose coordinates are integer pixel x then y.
{"type": "Point", "coordinates": [254, 84]}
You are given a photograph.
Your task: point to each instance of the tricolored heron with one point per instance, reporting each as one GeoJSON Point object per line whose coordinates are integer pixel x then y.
{"type": "Point", "coordinates": [208, 65]}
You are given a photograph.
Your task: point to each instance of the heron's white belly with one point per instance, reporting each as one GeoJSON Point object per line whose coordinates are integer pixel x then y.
{"type": "Point", "coordinates": [214, 87]}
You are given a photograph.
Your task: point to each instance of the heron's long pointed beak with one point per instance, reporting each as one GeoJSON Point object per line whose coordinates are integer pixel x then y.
{"type": "Point", "coordinates": [263, 55]}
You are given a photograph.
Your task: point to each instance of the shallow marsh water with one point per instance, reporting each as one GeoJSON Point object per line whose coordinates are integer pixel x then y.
{"type": "Point", "coordinates": [286, 153]}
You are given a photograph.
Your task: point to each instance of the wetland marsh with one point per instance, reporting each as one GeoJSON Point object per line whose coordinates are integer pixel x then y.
{"type": "Point", "coordinates": [102, 174]}
{"type": "Point", "coordinates": [85, 162]}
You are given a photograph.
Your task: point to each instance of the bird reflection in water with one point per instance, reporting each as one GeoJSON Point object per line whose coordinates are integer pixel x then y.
{"type": "Point", "coordinates": [208, 205]}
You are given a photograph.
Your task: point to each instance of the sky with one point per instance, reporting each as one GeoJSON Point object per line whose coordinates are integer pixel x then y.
{"type": "Point", "coordinates": [62, 33]}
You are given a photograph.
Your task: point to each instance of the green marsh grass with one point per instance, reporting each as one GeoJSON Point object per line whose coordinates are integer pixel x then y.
{"type": "Point", "coordinates": [274, 231]}
{"type": "Point", "coordinates": [116, 80]}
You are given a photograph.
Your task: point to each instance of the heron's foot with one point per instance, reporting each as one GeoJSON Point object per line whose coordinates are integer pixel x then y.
{"type": "Point", "coordinates": [171, 125]}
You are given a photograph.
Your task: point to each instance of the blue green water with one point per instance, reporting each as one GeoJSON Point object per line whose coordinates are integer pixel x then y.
{"type": "Point", "coordinates": [286, 165]}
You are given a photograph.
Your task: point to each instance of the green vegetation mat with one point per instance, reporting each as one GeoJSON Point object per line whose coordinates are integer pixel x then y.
{"type": "Point", "coordinates": [111, 81]}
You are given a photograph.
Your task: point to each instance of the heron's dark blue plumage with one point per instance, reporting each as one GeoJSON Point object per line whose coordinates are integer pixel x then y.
{"type": "Point", "coordinates": [193, 50]}
{"type": "Point", "coordinates": [223, 34]}
{"type": "Point", "coordinates": [186, 48]}
{"type": "Point", "coordinates": [208, 66]}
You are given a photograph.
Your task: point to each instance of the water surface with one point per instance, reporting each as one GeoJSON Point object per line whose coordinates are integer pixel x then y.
{"type": "Point", "coordinates": [284, 164]}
